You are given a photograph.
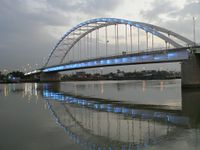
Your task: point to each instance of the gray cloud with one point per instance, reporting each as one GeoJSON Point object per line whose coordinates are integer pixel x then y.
{"type": "Point", "coordinates": [91, 7]}
{"type": "Point", "coordinates": [192, 8]}
{"type": "Point", "coordinates": [63, 5]}
{"type": "Point", "coordinates": [166, 7]}
{"type": "Point", "coordinates": [158, 8]}
{"type": "Point", "coordinates": [25, 26]}
{"type": "Point", "coordinates": [23, 36]}
{"type": "Point", "coordinates": [179, 19]}
{"type": "Point", "coordinates": [99, 6]}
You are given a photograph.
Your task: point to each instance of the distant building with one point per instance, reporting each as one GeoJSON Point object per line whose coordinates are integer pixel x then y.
{"type": "Point", "coordinates": [124, 53]}
{"type": "Point", "coordinates": [120, 73]}
{"type": "Point", "coordinates": [81, 74]}
{"type": "Point", "coordinates": [14, 79]}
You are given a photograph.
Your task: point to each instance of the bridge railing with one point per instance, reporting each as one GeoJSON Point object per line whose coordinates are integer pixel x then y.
{"type": "Point", "coordinates": [123, 53]}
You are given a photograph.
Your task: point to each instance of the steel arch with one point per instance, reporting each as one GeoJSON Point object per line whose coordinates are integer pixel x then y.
{"type": "Point", "coordinates": [86, 27]}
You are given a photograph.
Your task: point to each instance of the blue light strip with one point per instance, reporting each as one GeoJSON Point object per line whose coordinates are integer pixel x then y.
{"type": "Point", "coordinates": [144, 114]}
{"type": "Point", "coordinates": [123, 60]}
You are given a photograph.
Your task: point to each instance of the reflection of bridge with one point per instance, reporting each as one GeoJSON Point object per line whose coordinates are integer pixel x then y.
{"type": "Point", "coordinates": [110, 42]}
{"type": "Point", "coordinates": [97, 124]}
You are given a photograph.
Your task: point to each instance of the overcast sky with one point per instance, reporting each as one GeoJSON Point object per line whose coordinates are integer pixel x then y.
{"type": "Point", "coordinates": [29, 29]}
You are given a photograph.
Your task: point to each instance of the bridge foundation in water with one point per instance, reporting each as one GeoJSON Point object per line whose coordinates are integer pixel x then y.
{"type": "Point", "coordinates": [50, 77]}
{"type": "Point", "coordinates": [190, 71]}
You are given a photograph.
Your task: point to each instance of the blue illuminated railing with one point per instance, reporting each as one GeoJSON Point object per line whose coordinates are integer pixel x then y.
{"type": "Point", "coordinates": [144, 114]}
{"type": "Point", "coordinates": [168, 56]}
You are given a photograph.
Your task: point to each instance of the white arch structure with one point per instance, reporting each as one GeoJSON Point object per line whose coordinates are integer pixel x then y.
{"type": "Point", "coordinates": [84, 28]}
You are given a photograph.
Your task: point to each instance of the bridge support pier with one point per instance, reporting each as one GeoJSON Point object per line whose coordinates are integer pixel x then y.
{"type": "Point", "coordinates": [50, 77]}
{"type": "Point", "coordinates": [190, 71]}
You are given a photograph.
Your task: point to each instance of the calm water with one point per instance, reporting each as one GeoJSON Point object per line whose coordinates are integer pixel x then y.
{"type": "Point", "coordinates": [99, 115]}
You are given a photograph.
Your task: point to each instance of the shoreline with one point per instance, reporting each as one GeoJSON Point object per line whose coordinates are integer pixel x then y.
{"type": "Point", "coordinates": [77, 80]}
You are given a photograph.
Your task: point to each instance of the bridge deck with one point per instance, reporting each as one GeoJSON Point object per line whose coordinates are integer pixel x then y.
{"type": "Point", "coordinates": [170, 55]}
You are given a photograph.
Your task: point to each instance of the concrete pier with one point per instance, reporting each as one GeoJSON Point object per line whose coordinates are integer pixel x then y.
{"type": "Point", "coordinates": [191, 105]}
{"type": "Point", "coordinates": [50, 77]}
{"type": "Point", "coordinates": [190, 71]}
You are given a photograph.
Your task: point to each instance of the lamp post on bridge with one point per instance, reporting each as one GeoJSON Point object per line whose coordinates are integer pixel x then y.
{"type": "Point", "coordinates": [36, 66]}
{"type": "Point", "coordinates": [194, 30]}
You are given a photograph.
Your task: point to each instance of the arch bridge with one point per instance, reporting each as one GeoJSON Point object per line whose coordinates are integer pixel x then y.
{"type": "Point", "coordinates": [106, 42]}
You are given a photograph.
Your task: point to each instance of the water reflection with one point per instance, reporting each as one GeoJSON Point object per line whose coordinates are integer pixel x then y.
{"type": "Point", "coordinates": [106, 124]}
{"type": "Point", "coordinates": [27, 89]}
{"type": "Point", "coordinates": [141, 92]}
{"type": "Point", "coordinates": [99, 124]}
{"type": "Point", "coordinates": [8, 88]}
{"type": "Point", "coordinates": [144, 86]}
{"type": "Point", "coordinates": [30, 91]}
{"type": "Point", "coordinates": [161, 85]}
{"type": "Point", "coordinates": [5, 91]}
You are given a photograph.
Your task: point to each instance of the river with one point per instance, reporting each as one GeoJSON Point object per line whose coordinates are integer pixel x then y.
{"type": "Point", "coordinates": [109, 115]}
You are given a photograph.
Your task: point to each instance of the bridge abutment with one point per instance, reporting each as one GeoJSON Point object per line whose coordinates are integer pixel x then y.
{"type": "Point", "coordinates": [190, 71]}
{"type": "Point", "coordinates": [50, 77]}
